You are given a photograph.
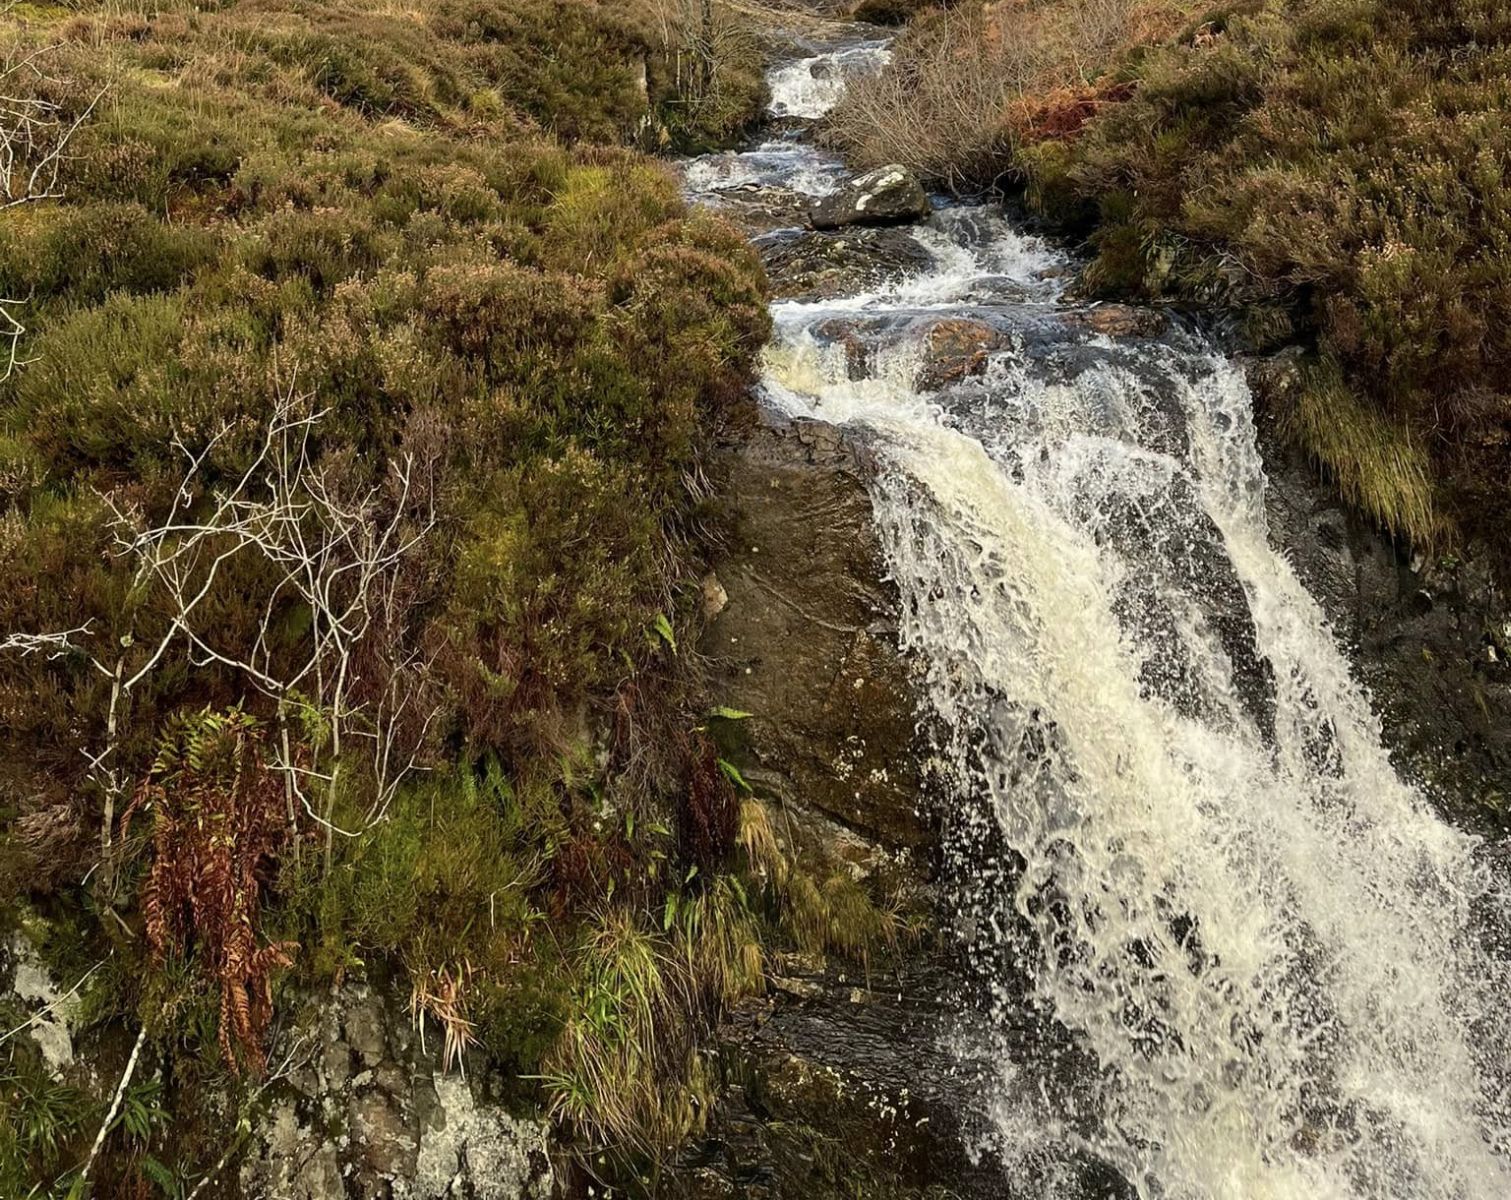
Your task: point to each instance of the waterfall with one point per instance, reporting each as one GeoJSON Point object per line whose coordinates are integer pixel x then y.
{"type": "Point", "coordinates": [810, 87]}
{"type": "Point", "coordinates": [1191, 851]}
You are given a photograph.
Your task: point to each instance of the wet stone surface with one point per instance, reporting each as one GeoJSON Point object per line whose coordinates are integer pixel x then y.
{"type": "Point", "coordinates": [811, 265]}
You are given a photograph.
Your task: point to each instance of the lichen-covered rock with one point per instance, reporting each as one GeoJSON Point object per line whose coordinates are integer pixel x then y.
{"type": "Point", "coordinates": [889, 195]}
{"type": "Point", "coordinates": [52, 1005]}
{"type": "Point", "coordinates": [369, 1114]}
{"type": "Point", "coordinates": [810, 264]}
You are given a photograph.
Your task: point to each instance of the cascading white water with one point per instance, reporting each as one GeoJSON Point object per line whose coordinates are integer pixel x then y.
{"type": "Point", "coordinates": [1258, 937]}
{"type": "Point", "coordinates": [810, 87]}
{"type": "Point", "coordinates": [791, 165]}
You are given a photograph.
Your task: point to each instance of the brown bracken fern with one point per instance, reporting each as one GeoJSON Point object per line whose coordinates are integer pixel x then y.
{"type": "Point", "coordinates": [218, 818]}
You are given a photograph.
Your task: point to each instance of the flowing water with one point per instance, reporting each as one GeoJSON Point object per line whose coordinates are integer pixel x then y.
{"type": "Point", "coordinates": [1181, 839]}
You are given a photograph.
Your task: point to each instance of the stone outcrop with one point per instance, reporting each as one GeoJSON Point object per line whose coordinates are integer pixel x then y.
{"type": "Point", "coordinates": [955, 348]}
{"type": "Point", "coordinates": [1118, 320]}
{"type": "Point", "coordinates": [807, 639]}
{"type": "Point", "coordinates": [839, 1081]}
{"type": "Point", "coordinates": [889, 195]}
{"type": "Point", "coordinates": [366, 1113]}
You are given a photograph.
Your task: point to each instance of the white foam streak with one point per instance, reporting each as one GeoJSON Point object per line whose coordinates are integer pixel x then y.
{"type": "Point", "coordinates": [791, 165]}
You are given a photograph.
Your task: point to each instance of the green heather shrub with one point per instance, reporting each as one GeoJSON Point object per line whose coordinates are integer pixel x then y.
{"type": "Point", "coordinates": [81, 254]}
{"type": "Point", "coordinates": [1336, 169]}
{"type": "Point", "coordinates": [386, 219]}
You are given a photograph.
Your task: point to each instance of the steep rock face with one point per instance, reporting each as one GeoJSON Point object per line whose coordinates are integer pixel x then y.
{"type": "Point", "coordinates": [1430, 635]}
{"type": "Point", "coordinates": [806, 641]}
{"type": "Point", "coordinates": [840, 1081]}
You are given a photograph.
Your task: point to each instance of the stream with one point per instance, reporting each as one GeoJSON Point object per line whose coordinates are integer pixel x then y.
{"type": "Point", "coordinates": [1179, 839]}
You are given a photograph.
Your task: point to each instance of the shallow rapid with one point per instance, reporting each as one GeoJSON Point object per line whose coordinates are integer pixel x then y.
{"type": "Point", "coordinates": [1180, 840]}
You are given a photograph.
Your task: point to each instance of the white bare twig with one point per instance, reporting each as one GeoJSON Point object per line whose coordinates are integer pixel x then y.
{"type": "Point", "coordinates": [34, 130]}
{"type": "Point", "coordinates": [338, 553]}
{"type": "Point", "coordinates": [115, 1107]}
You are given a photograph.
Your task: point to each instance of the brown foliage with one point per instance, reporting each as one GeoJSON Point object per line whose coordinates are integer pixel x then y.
{"type": "Point", "coordinates": [708, 820]}
{"type": "Point", "coordinates": [1062, 113]}
{"type": "Point", "coordinates": [218, 819]}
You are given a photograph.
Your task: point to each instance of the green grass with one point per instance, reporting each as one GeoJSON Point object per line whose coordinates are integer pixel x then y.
{"type": "Point", "coordinates": [1379, 466]}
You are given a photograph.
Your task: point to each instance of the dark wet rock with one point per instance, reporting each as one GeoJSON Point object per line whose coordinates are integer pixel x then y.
{"type": "Point", "coordinates": [813, 265]}
{"type": "Point", "coordinates": [1119, 320]}
{"type": "Point", "coordinates": [837, 1083]}
{"type": "Point", "coordinates": [807, 641]}
{"type": "Point", "coordinates": [1430, 635]}
{"type": "Point", "coordinates": [845, 331]}
{"type": "Point", "coordinates": [762, 208]}
{"type": "Point", "coordinates": [839, 1092]}
{"type": "Point", "coordinates": [846, 1085]}
{"type": "Point", "coordinates": [889, 195]}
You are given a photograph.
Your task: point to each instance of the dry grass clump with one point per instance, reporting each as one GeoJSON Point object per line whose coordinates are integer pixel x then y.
{"type": "Point", "coordinates": [1379, 465]}
{"type": "Point", "coordinates": [964, 82]}
{"type": "Point", "coordinates": [627, 1072]}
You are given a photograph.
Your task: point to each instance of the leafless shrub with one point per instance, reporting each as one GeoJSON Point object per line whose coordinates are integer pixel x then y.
{"type": "Point", "coordinates": [35, 131]}
{"type": "Point", "coordinates": [713, 58]}
{"type": "Point", "coordinates": [355, 694]}
{"type": "Point", "coordinates": [35, 127]}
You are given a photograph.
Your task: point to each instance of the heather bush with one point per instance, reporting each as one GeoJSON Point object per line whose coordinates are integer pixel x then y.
{"type": "Point", "coordinates": [1333, 172]}
{"type": "Point", "coordinates": [389, 248]}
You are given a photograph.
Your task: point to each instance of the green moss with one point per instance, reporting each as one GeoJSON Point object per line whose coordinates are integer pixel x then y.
{"type": "Point", "coordinates": [446, 878]}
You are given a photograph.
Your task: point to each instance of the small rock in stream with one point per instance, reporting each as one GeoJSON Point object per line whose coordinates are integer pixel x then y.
{"type": "Point", "coordinates": [811, 265]}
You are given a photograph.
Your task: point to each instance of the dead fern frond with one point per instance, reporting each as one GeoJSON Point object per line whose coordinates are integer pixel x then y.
{"type": "Point", "coordinates": [218, 818]}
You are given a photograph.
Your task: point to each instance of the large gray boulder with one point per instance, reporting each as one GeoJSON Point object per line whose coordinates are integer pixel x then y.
{"type": "Point", "coordinates": [889, 195]}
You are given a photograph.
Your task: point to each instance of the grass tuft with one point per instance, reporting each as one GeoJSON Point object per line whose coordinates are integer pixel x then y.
{"type": "Point", "coordinates": [1377, 463]}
